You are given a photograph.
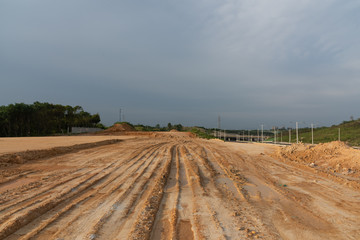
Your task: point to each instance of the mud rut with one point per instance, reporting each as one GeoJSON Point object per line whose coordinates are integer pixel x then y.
{"type": "Point", "coordinates": [172, 188]}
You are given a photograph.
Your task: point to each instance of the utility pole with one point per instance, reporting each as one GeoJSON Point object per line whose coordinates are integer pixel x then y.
{"type": "Point", "coordinates": [262, 133]}
{"type": "Point", "coordinates": [312, 134]}
{"type": "Point", "coordinates": [297, 132]}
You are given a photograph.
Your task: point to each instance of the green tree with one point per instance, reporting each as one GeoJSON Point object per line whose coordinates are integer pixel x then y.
{"type": "Point", "coordinates": [36, 119]}
{"type": "Point", "coordinates": [178, 127]}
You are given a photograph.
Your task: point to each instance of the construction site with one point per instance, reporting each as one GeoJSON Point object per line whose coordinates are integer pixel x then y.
{"type": "Point", "coordinates": [123, 184]}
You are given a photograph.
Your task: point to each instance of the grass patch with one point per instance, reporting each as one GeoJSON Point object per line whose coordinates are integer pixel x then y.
{"type": "Point", "coordinates": [202, 132]}
{"type": "Point", "coordinates": [349, 133]}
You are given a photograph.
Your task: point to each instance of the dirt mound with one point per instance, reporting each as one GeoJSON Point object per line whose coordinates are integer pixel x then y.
{"type": "Point", "coordinates": [174, 135]}
{"type": "Point", "coordinates": [174, 130]}
{"type": "Point", "coordinates": [334, 156]}
{"type": "Point", "coordinates": [119, 127]}
{"type": "Point", "coordinates": [25, 156]}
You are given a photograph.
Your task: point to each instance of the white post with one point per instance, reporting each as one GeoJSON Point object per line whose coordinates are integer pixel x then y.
{"type": "Point", "coordinates": [275, 135]}
{"type": "Point", "coordinates": [297, 132]}
{"type": "Point", "coordinates": [289, 135]}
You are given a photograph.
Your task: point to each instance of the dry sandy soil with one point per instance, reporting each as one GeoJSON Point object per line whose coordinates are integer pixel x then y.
{"type": "Point", "coordinates": [173, 186]}
{"type": "Point", "coordinates": [18, 144]}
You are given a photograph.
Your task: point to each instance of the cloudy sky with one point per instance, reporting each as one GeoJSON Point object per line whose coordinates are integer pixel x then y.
{"type": "Point", "coordinates": [251, 61]}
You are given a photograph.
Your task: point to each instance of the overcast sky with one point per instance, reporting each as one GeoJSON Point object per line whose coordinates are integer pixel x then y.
{"type": "Point", "coordinates": [251, 61]}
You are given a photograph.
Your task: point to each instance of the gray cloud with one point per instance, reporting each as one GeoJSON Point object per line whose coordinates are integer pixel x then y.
{"type": "Point", "coordinates": [251, 61]}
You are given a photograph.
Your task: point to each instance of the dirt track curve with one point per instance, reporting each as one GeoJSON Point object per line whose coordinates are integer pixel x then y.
{"type": "Point", "coordinates": [173, 187]}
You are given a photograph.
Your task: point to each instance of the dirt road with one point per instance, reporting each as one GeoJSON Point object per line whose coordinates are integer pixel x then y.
{"type": "Point", "coordinates": [174, 187]}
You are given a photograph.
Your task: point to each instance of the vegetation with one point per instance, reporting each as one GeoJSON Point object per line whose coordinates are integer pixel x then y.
{"type": "Point", "coordinates": [202, 132]}
{"type": "Point", "coordinates": [349, 133]}
{"type": "Point", "coordinates": [39, 119]}
{"type": "Point", "coordinates": [157, 127]}
{"type": "Point", "coordinates": [249, 132]}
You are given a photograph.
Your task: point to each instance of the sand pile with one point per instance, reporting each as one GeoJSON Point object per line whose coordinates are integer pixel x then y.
{"type": "Point", "coordinates": [174, 135]}
{"type": "Point", "coordinates": [119, 127]}
{"type": "Point", "coordinates": [335, 156]}
{"type": "Point", "coordinates": [30, 155]}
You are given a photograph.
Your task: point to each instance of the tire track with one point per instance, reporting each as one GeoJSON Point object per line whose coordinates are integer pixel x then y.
{"type": "Point", "coordinates": [38, 208]}
{"type": "Point", "coordinates": [84, 199]}
{"type": "Point", "coordinates": [74, 222]}
{"type": "Point", "coordinates": [45, 189]}
{"type": "Point", "coordinates": [201, 205]}
{"type": "Point", "coordinates": [172, 187]}
{"type": "Point", "coordinates": [165, 221]}
{"type": "Point", "coordinates": [118, 217]}
{"type": "Point", "coordinates": [143, 225]}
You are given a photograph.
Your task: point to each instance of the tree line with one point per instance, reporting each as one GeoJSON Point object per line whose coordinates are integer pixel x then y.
{"type": "Point", "coordinates": [157, 127]}
{"type": "Point", "coordinates": [39, 119]}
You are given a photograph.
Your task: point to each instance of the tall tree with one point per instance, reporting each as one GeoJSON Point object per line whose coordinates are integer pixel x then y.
{"type": "Point", "coordinates": [36, 119]}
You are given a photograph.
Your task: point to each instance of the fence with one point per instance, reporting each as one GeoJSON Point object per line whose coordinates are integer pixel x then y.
{"type": "Point", "coordinates": [84, 130]}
